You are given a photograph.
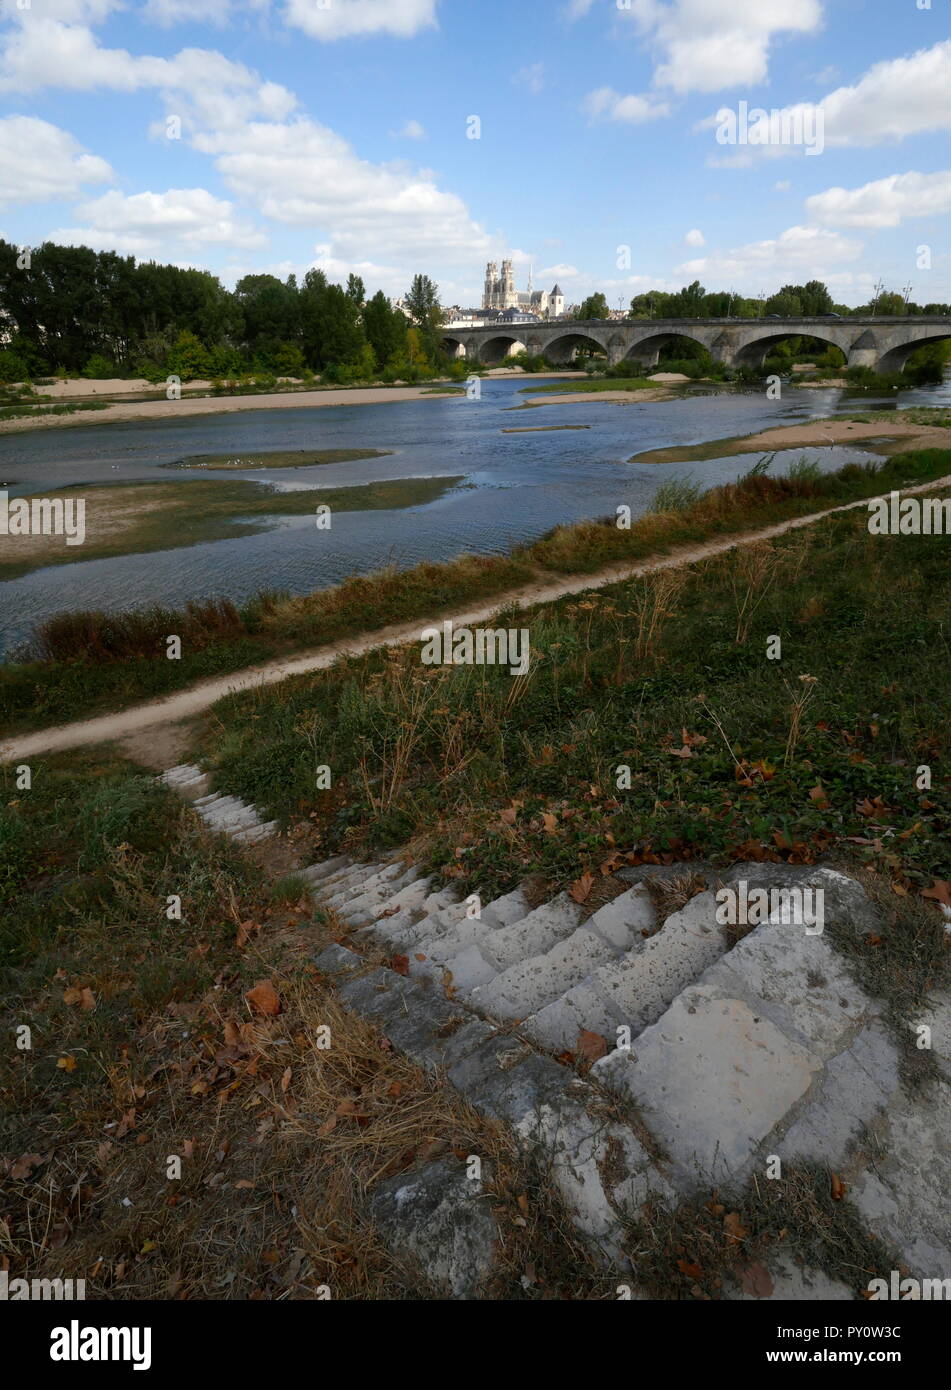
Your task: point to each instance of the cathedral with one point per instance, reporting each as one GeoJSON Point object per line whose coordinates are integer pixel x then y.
{"type": "Point", "coordinates": [500, 293]}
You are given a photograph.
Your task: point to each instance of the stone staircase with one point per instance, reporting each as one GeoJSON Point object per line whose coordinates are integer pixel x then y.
{"type": "Point", "coordinates": [719, 1054]}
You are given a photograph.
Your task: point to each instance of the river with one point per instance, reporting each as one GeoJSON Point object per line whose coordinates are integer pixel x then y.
{"type": "Point", "coordinates": [514, 488]}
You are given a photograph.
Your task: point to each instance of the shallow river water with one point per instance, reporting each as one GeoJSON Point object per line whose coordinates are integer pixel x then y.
{"type": "Point", "coordinates": [514, 487]}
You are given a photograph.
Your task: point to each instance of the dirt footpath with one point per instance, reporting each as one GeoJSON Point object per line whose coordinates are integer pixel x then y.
{"type": "Point", "coordinates": [197, 698]}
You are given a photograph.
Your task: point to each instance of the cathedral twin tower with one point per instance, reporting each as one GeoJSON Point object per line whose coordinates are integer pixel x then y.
{"type": "Point", "coordinates": [500, 293]}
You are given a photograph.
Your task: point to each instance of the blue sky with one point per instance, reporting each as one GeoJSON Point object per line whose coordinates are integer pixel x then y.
{"type": "Point", "coordinates": [336, 132]}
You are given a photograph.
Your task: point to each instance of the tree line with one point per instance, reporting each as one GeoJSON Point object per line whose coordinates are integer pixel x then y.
{"type": "Point", "coordinates": [69, 309]}
{"type": "Point", "coordinates": [812, 300]}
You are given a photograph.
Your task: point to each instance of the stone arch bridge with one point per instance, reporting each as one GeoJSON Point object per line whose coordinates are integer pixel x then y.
{"type": "Point", "coordinates": [883, 344]}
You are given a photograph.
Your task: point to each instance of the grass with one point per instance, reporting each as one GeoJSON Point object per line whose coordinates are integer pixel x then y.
{"type": "Point", "coordinates": [616, 383]}
{"type": "Point", "coordinates": [489, 777]}
{"type": "Point", "coordinates": [29, 412]}
{"type": "Point", "coordinates": [137, 517]}
{"type": "Point", "coordinates": [284, 458]}
{"type": "Point", "coordinates": [144, 1045]}
{"type": "Point", "coordinates": [710, 1246]}
{"type": "Point", "coordinates": [90, 673]}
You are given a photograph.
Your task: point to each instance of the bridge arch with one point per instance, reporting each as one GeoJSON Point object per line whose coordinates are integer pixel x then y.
{"type": "Point", "coordinates": [566, 346]}
{"type": "Point", "coordinates": [757, 347]}
{"type": "Point", "coordinates": [453, 347]}
{"type": "Point", "coordinates": [500, 346]}
{"type": "Point", "coordinates": [647, 349]}
{"type": "Point", "coordinates": [894, 359]}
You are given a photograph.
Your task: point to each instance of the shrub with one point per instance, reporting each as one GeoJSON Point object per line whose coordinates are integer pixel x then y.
{"type": "Point", "coordinates": [99, 368]}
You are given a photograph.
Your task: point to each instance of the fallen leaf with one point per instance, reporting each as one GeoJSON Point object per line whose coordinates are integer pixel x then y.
{"type": "Point", "coordinates": [24, 1166]}
{"type": "Point", "coordinates": [733, 1226]}
{"type": "Point", "coordinates": [838, 1188]}
{"type": "Point", "coordinates": [755, 1280]}
{"type": "Point", "coordinates": [590, 1046]}
{"type": "Point", "coordinates": [692, 1271]}
{"type": "Point", "coordinates": [940, 890]}
{"type": "Point", "coordinates": [580, 889]}
{"type": "Point", "coordinates": [264, 998]}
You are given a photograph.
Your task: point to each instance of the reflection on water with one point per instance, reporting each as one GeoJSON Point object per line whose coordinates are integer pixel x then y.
{"type": "Point", "coordinates": [517, 486]}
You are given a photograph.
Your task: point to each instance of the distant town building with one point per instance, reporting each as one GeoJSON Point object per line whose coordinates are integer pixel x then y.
{"type": "Point", "coordinates": [500, 293]}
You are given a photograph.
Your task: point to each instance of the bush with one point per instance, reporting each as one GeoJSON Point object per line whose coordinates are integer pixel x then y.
{"type": "Point", "coordinates": [99, 368]}
{"type": "Point", "coordinates": [12, 367]}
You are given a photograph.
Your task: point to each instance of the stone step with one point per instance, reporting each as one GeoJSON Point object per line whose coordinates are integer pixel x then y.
{"type": "Point", "coordinates": [628, 920]}
{"type": "Point", "coordinates": [534, 933]}
{"type": "Point", "coordinates": [375, 876]}
{"type": "Point", "coordinates": [774, 1049]}
{"type": "Point", "coordinates": [254, 833]}
{"type": "Point", "coordinates": [528, 986]}
{"type": "Point", "coordinates": [363, 909]}
{"type": "Point", "coordinates": [182, 776]}
{"type": "Point", "coordinates": [349, 876]}
{"type": "Point", "coordinates": [317, 873]}
{"type": "Point", "coordinates": [441, 947]}
{"type": "Point", "coordinates": [641, 985]}
{"type": "Point", "coordinates": [588, 1152]}
{"type": "Point", "coordinates": [230, 817]}
{"type": "Point", "coordinates": [394, 898]}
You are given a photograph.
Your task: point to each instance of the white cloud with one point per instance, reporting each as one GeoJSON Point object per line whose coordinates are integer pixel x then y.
{"type": "Point", "coordinates": [707, 45]}
{"type": "Point", "coordinates": [561, 271]}
{"type": "Point", "coordinates": [532, 77]}
{"type": "Point", "coordinates": [782, 186]}
{"type": "Point", "coordinates": [800, 253]}
{"type": "Point", "coordinates": [344, 19]}
{"type": "Point", "coordinates": [695, 238]}
{"type": "Point", "coordinates": [886, 202]}
{"type": "Point", "coordinates": [412, 130]}
{"type": "Point", "coordinates": [577, 9]}
{"type": "Point", "coordinates": [168, 12]}
{"type": "Point", "coordinates": [304, 173]}
{"type": "Point", "coordinates": [894, 99]}
{"type": "Point", "coordinates": [38, 161]}
{"type": "Point", "coordinates": [145, 223]}
{"type": "Point", "coordinates": [605, 104]}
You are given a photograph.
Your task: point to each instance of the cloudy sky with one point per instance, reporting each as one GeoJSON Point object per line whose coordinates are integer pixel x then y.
{"type": "Point", "coordinates": [251, 135]}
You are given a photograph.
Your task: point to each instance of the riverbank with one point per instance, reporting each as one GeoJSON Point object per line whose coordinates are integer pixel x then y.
{"type": "Point", "coordinates": [101, 662]}
{"type": "Point", "coordinates": [884, 429]}
{"type": "Point", "coordinates": [189, 406]}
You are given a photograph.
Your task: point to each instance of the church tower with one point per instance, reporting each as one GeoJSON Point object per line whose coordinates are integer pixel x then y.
{"type": "Point", "coordinates": [491, 286]}
{"type": "Point", "coordinates": [509, 295]}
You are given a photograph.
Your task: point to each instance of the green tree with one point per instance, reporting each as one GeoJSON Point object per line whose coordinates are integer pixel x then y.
{"type": "Point", "coordinates": [385, 328]}
{"type": "Point", "coordinates": [594, 307]}
{"type": "Point", "coordinates": [188, 357]}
